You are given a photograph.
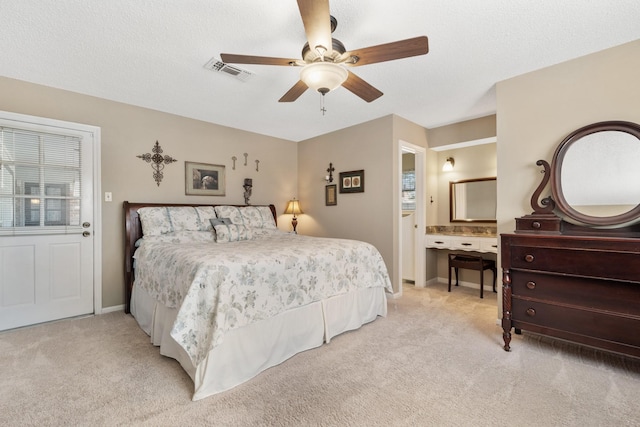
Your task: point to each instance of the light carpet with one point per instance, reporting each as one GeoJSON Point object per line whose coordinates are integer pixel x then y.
{"type": "Point", "coordinates": [435, 360]}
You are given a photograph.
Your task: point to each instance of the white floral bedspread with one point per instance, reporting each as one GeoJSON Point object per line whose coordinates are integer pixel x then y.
{"type": "Point", "coordinates": [218, 287]}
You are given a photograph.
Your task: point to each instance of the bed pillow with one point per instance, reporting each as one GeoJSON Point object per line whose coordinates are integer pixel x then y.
{"type": "Point", "coordinates": [232, 233]}
{"type": "Point", "coordinates": [155, 221]}
{"type": "Point", "coordinates": [205, 213]}
{"type": "Point", "coordinates": [249, 216]}
{"type": "Point", "coordinates": [231, 212]}
{"type": "Point", "coordinates": [184, 218]}
{"type": "Point", "coordinates": [169, 219]}
{"type": "Point", "coordinates": [258, 217]}
{"type": "Point", "coordinates": [181, 237]}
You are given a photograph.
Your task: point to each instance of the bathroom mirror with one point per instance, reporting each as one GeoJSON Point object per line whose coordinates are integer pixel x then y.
{"type": "Point", "coordinates": [473, 200]}
{"type": "Point", "coordinates": [595, 178]}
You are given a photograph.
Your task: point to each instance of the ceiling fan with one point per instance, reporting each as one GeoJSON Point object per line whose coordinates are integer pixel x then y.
{"type": "Point", "coordinates": [325, 60]}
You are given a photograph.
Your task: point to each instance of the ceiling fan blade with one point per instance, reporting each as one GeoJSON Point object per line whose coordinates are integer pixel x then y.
{"type": "Point", "coordinates": [295, 92]}
{"type": "Point", "coordinates": [317, 23]}
{"type": "Point", "coordinates": [390, 51]}
{"type": "Point", "coordinates": [230, 58]}
{"type": "Point", "coordinates": [361, 88]}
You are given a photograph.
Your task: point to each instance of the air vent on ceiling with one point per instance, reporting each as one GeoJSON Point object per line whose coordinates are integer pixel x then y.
{"type": "Point", "coordinates": [218, 66]}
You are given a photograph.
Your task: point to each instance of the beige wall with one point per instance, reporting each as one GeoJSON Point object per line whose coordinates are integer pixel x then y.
{"type": "Point", "coordinates": [537, 110]}
{"type": "Point", "coordinates": [405, 131]}
{"type": "Point", "coordinates": [479, 161]}
{"type": "Point", "coordinates": [364, 216]}
{"type": "Point", "coordinates": [128, 131]}
{"type": "Point", "coordinates": [468, 130]}
{"type": "Point", "coordinates": [470, 162]}
{"type": "Point", "coordinates": [371, 216]}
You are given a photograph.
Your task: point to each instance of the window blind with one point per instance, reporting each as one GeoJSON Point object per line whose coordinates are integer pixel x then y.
{"type": "Point", "coordinates": [40, 177]}
{"type": "Point", "coordinates": [409, 190]}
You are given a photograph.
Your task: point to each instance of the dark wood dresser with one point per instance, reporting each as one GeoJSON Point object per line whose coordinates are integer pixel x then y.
{"type": "Point", "coordinates": [579, 288]}
{"type": "Point", "coordinates": [571, 269]}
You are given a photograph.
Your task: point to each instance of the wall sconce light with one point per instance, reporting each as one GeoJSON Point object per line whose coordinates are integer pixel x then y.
{"type": "Point", "coordinates": [448, 164]}
{"type": "Point", "coordinates": [293, 207]}
{"type": "Point", "coordinates": [329, 178]}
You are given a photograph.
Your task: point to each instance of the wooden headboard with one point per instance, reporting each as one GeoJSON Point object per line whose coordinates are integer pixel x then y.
{"type": "Point", "coordinates": [133, 232]}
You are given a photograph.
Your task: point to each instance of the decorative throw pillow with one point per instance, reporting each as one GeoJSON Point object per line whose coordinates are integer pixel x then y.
{"type": "Point", "coordinates": [232, 233]}
{"type": "Point", "coordinates": [220, 221]}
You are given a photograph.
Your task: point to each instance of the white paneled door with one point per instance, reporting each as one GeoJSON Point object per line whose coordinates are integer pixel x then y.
{"type": "Point", "coordinates": [47, 228]}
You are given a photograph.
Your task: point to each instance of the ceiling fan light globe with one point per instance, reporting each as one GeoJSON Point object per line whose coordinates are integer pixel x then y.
{"type": "Point", "coordinates": [323, 76]}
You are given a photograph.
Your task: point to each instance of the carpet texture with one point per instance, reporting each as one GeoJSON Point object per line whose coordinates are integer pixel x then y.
{"type": "Point", "coordinates": [435, 360]}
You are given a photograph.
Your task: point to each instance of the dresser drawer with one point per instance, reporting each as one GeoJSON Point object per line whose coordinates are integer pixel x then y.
{"type": "Point", "coordinates": [464, 243]}
{"type": "Point", "coordinates": [552, 319]}
{"type": "Point", "coordinates": [578, 262]}
{"type": "Point", "coordinates": [600, 294]}
{"type": "Point", "coordinates": [489, 245]}
{"type": "Point", "coordinates": [438, 241]}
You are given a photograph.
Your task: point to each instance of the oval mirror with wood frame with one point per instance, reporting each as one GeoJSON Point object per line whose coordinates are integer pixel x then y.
{"type": "Point", "coordinates": [595, 175]}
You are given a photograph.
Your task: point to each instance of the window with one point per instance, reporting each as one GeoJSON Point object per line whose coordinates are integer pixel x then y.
{"type": "Point", "coordinates": [39, 179]}
{"type": "Point", "coordinates": [409, 190]}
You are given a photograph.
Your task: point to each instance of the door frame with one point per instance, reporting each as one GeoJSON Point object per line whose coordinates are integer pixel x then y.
{"type": "Point", "coordinates": [96, 187]}
{"type": "Point", "coordinates": [419, 249]}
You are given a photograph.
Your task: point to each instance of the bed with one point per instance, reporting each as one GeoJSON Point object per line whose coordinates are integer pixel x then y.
{"type": "Point", "coordinates": [224, 292]}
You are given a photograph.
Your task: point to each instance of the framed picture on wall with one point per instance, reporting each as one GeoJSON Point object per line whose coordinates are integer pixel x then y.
{"type": "Point", "coordinates": [352, 182]}
{"type": "Point", "coordinates": [330, 195]}
{"type": "Point", "coordinates": [203, 179]}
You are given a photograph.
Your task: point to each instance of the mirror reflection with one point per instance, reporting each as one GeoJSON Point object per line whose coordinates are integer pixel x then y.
{"type": "Point", "coordinates": [595, 170]}
{"type": "Point", "coordinates": [473, 200]}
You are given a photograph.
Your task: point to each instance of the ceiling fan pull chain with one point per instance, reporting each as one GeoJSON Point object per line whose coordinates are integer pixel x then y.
{"type": "Point", "coordinates": [324, 110]}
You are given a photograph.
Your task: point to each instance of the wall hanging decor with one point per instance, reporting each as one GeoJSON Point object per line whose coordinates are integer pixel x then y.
{"type": "Point", "coordinates": [248, 185]}
{"type": "Point", "coordinates": [352, 182]}
{"type": "Point", "coordinates": [257, 164]}
{"type": "Point", "coordinates": [203, 179]}
{"type": "Point", "coordinates": [330, 196]}
{"type": "Point", "coordinates": [234, 158]}
{"type": "Point", "coordinates": [330, 169]}
{"type": "Point", "coordinates": [157, 161]}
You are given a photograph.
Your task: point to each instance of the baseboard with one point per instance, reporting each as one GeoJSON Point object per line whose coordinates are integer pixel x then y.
{"type": "Point", "coordinates": [487, 286]}
{"type": "Point", "coordinates": [111, 309]}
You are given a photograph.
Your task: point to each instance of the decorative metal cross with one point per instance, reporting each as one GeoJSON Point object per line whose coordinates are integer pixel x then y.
{"type": "Point", "coordinates": [330, 169]}
{"type": "Point", "coordinates": [157, 161]}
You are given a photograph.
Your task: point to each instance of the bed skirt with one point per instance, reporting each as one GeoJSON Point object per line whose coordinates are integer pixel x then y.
{"type": "Point", "coordinates": [247, 351]}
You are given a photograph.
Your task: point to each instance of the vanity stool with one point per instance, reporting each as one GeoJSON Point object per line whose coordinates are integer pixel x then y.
{"type": "Point", "coordinates": [472, 262]}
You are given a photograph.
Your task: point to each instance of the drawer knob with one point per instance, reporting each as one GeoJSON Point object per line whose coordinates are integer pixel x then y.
{"type": "Point", "coordinates": [535, 225]}
{"type": "Point", "coordinates": [531, 285]}
{"type": "Point", "coordinates": [531, 312]}
{"type": "Point", "coordinates": [529, 258]}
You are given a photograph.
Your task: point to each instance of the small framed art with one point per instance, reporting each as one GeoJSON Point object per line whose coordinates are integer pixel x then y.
{"type": "Point", "coordinates": [352, 182]}
{"type": "Point", "coordinates": [203, 179]}
{"type": "Point", "coordinates": [330, 195]}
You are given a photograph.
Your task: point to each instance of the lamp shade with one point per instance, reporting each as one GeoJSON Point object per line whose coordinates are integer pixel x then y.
{"type": "Point", "coordinates": [293, 207]}
{"type": "Point", "coordinates": [448, 164]}
{"type": "Point", "coordinates": [323, 76]}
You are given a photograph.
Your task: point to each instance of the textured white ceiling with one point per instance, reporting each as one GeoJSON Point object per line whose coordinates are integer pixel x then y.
{"type": "Point", "coordinates": [151, 53]}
